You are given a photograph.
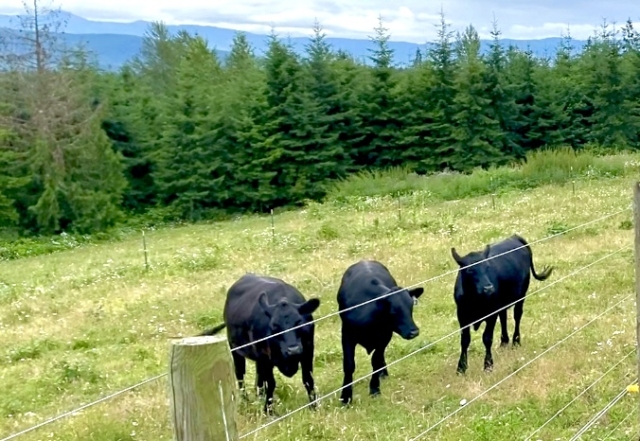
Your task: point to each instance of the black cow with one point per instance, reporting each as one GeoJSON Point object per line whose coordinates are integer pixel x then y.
{"type": "Point", "coordinates": [260, 306]}
{"type": "Point", "coordinates": [372, 325]}
{"type": "Point", "coordinates": [489, 286]}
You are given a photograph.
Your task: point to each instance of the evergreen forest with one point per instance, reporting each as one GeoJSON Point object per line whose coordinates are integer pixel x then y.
{"type": "Point", "coordinates": [184, 135]}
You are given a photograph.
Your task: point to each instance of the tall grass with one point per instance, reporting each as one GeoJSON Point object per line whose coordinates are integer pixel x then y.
{"type": "Point", "coordinates": [557, 166]}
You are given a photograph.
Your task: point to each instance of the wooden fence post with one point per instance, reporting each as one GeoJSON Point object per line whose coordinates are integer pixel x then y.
{"type": "Point", "coordinates": [636, 211]}
{"type": "Point", "coordinates": [202, 389]}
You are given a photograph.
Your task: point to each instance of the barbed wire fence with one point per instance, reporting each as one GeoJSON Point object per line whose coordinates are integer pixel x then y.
{"type": "Point", "coordinates": [455, 332]}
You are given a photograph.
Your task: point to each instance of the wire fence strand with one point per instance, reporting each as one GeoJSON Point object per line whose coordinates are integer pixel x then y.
{"type": "Point", "coordinates": [546, 351]}
{"type": "Point", "coordinates": [599, 414]}
{"type": "Point", "coordinates": [597, 380]}
{"type": "Point", "coordinates": [85, 406]}
{"type": "Point", "coordinates": [431, 279]}
{"type": "Point", "coordinates": [612, 431]}
{"type": "Point", "coordinates": [411, 354]}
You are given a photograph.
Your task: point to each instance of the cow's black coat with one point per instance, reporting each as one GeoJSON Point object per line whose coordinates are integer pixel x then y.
{"type": "Point", "coordinates": [257, 307]}
{"type": "Point", "coordinates": [489, 286]}
{"type": "Point", "coordinates": [372, 325]}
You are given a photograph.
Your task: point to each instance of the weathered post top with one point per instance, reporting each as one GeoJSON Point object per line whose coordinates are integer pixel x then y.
{"type": "Point", "coordinates": [202, 389]}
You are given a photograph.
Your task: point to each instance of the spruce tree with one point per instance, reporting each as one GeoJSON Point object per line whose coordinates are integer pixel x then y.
{"type": "Point", "coordinates": [380, 126]}
{"type": "Point", "coordinates": [475, 126]}
{"type": "Point", "coordinates": [189, 163]}
{"type": "Point", "coordinates": [502, 105]}
{"type": "Point", "coordinates": [76, 177]}
{"type": "Point", "coordinates": [441, 56]}
{"type": "Point", "coordinates": [520, 72]}
{"type": "Point", "coordinates": [603, 82]}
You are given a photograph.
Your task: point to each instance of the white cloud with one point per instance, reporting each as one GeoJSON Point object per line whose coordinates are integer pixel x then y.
{"type": "Point", "coordinates": [408, 20]}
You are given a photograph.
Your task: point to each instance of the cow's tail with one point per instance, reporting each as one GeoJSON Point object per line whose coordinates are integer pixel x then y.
{"type": "Point", "coordinates": [544, 275]}
{"type": "Point", "coordinates": [213, 331]}
{"type": "Point", "coordinates": [546, 271]}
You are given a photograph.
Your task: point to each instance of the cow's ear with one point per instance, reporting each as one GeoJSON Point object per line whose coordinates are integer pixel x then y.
{"type": "Point", "coordinates": [309, 306]}
{"type": "Point", "coordinates": [486, 251]}
{"type": "Point", "coordinates": [264, 303]}
{"type": "Point", "coordinates": [416, 292]}
{"type": "Point", "coordinates": [456, 256]}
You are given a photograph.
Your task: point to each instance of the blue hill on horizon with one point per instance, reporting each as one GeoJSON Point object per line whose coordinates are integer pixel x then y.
{"type": "Point", "coordinates": [115, 43]}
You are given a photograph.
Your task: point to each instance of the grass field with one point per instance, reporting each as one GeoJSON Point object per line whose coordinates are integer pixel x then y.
{"type": "Point", "coordinates": [79, 324]}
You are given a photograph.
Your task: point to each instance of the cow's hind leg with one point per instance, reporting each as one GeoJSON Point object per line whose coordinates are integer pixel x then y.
{"type": "Point", "coordinates": [265, 369]}
{"type": "Point", "coordinates": [517, 316]}
{"type": "Point", "coordinates": [348, 367]}
{"type": "Point", "coordinates": [504, 336]}
{"type": "Point", "coordinates": [487, 339]}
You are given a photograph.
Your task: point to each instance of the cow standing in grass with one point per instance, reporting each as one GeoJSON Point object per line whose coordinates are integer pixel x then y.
{"type": "Point", "coordinates": [372, 325]}
{"type": "Point", "coordinates": [258, 307]}
{"type": "Point", "coordinates": [490, 285]}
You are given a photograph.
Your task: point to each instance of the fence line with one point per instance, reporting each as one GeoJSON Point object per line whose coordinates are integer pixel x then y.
{"type": "Point", "coordinates": [364, 377]}
{"type": "Point", "coordinates": [431, 279]}
{"type": "Point", "coordinates": [85, 406]}
{"type": "Point", "coordinates": [480, 395]}
{"type": "Point", "coordinates": [156, 377]}
{"type": "Point", "coordinates": [618, 425]}
{"type": "Point", "coordinates": [633, 351]}
{"type": "Point", "coordinates": [600, 413]}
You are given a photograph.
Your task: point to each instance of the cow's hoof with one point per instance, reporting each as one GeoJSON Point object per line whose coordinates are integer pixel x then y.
{"type": "Point", "coordinates": [345, 401]}
{"type": "Point", "coordinates": [374, 392]}
{"type": "Point", "coordinates": [488, 367]}
{"type": "Point", "coordinates": [313, 404]}
{"type": "Point", "coordinates": [504, 344]}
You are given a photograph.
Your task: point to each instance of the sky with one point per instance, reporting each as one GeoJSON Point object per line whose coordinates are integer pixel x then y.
{"type": "Point", "coordinates": [406, 20]}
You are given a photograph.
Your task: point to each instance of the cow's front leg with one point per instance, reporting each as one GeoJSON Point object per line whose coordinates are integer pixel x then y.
{"type": "Point", "coordinates": [487, 339]}
{"type": "Point", "coordinates": [266, 373]}
{"type": "Point", "coordinates": [307, 373]}
{"type": "Point", "coordinates": [240, 366]}
{"type": "Point", "coordinates": [378, 364]}
{"type": "Point", "coordinates": [465, 341]}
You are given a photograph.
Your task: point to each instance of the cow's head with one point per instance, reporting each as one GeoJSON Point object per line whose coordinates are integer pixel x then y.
{"type": "Point", "coordinates": [400, 305]}
{"type": "Point", "coordinates": [477, 276]}
{"type": "Point", "coordinates": [286, 348]}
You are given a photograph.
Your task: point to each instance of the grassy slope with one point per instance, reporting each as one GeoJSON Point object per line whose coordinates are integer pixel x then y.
{"type": "Point", "coordinates": [78, 324]}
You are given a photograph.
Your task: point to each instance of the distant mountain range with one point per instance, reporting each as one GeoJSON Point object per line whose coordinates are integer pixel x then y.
{"type": "Point", "coordinates": [115, 43]}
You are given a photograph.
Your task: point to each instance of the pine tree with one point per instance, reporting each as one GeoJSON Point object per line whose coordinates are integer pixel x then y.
{"type": "Point", "coordinates": [441, 56]}
{"type": "Point", "coordinates": [76, 177]}
{"type": "Point", "coordinates": [332, 106]}
{"type": "Point", "coordinates": [502, 105]}
{"type": "Point", "coordinates": [475, 127]}
{"type": "Point", "coordinates": [242, 102]}
{"type": "Point", "coordinates": [604, 85]}
{"type": "Point", "coordinates": [296, 145]}
{"type": "Point", "coordinates": [560, 107]}
{"type": "Point", "coordinates": [378, 112]}
{"type": "Point", "coordinates": [631, 85]}
{"type": "Point", "coordinates": [415, 109]}
{"type": "Point", "coordinates": [189, 163]}
{"type": "Point", "coordinates": [520, 73]}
